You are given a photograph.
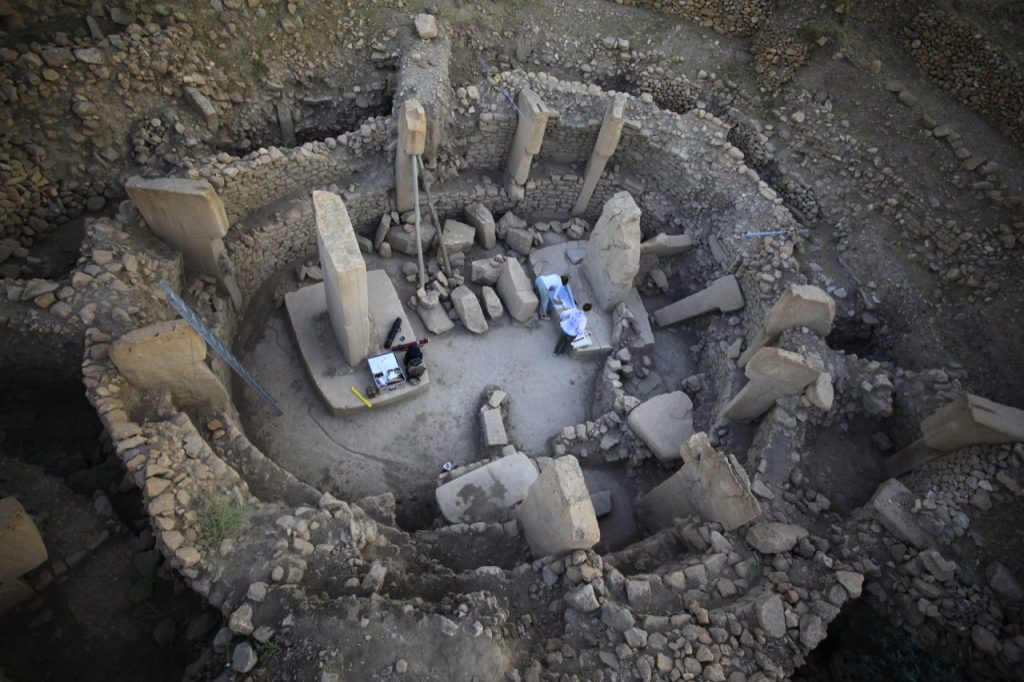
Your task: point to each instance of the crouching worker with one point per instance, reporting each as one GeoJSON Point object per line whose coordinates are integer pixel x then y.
{"type": "Point", "coordinates": [414, 367]}
{"type": "Point", "coordinates": [573, 323]}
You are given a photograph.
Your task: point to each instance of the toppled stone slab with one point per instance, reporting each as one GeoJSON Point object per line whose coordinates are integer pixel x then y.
{"type": "Point", "coordinates": [723, 295]}
{"type": "Point", "coordinates": [489, 493]}
{"type": "Point", "coordinates": [482, 221]}
{"type": "Point", "coordinates": [170, 356]}
{"type": "Point", "coordinates": [435, 319]}
{"type": "Point", "coordinates": [486, 270]}
{"type": "Point", "coordinates": [968, 420]}
{"type": "Point", "coordinates": [801, 305]}
{"type": "Point", "coordinates": [665, 245]}
{"type": "Point", "coordinates": [492, 304]}
{"type": "Point", "coordinates": [203, 106]}
{"type": "Point", "coordinates": [613, 252]}
{"type": "Point", "coordinates": [711, 484]}
{"type": "Point", "coordinates": [468, 306]}
{"type": "Point", "coordinates": [458, 237]}
{"type": "Point", "coordinates": [773, 373]}
{"type": "Point", "coordinates": [664, 423]}
{"type": "Point", "coordinates": [893, 505]}
{"type": "Point", "coordinates": [516, 291]}
{"type": "Point", "coordinates": [520, 241]}
{"type": "Point", "coordinates": [21, 546]}
{"type": "Point", "coordinates": [557, 515]}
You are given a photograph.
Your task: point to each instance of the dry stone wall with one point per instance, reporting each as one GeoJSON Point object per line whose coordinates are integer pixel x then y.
{"type": "Point", "coordinates": [734, 17]}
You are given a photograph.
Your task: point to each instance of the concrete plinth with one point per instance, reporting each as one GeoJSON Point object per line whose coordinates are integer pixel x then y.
{"type": "Point", "coordinates": [801, 305]}
{"type": "Point", "coordinates": [188, 215]}
{"type": "Point", "coordinates": [344, 276]}
{"type": "Point", "coordinates": [773, 373]}
{"type": "Point", "coordinates": [170, 356]}
{"type": "Point", "coordinates": [710, 484]}
{"type": "Point", "coordinates": [332, 376]}
{"type": "Point", "coordinates": [557, 515]}
{"type": "Point", "coordinates": [613, 252]}
{"type": "Point", "coordinates": [604, 148]}
{"type": "Point", "coordinates": [488, 494]}
{"type": "Point", "coordinates": [412, 140]}
{"type": "Point", "coordinates": [533, 121]}
{"type": "Point", "coordinates": [21, 546]}
{"type": "Point", "coordinates": [554, 260]}
{"type": "Point", "coordinates": [723, 295]}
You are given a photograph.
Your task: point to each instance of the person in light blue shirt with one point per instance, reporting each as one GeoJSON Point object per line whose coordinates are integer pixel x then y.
{"type": "Point", "coordinates": [573, 323]}
{"type": "Point", "coordinates": [552, 289]}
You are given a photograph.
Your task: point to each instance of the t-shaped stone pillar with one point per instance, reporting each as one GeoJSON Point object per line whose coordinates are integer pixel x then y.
{"type": "Point", "coordinates": [188, 215]}
{"type": "Point", "coordinates": [801, 305]}
{"type": "Point", "coordinates": [773, 373]}
{"type": "Point", "coordinates": [412, 139]}
{"type": "Point", "coordinates": [613, 252]}
{"type": "Point", "coordinates": [533, 121]}
{"type": "Point", "coordinates": [968, 420]}
{"type": "Point", "coordinates": [607, 141]}
{"type": "Point", "coordinates": [723, 294]}
{"type": "Point", "coordinates": [344, 276]}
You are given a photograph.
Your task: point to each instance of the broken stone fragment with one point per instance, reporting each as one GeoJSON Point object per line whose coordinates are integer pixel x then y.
{"type": "Point", "coordinates": [426, 26]}
{"type": "Point", "coordinates": [775, 538]}
{"type": "Point", "coordinates": [723, 295]}
{"type": "Point", "coordinates": [613, 251]}
{"type": "Point", "coordinates": [664, 423]}
{"type": "Point", "coordinates": [557, 515]}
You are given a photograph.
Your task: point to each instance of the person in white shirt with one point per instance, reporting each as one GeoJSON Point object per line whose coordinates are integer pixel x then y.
{"type": "Point", "coordinates": [573, 323]}
{"type": "Point", "coordinates": [552, 288]}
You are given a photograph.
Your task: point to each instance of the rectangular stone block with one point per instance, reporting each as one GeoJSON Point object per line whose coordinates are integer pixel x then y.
{"type": "Point", "coordinates": [801, 305]}
{"type": "Point", "coordinates": [170, 356]}
{"type": "Point", "coordinates": [489, 493]}
{"type": "Point", "coordinates": [21, 546]}
{"type": "Point", "coordinates": [972, 420]}
{"type": "Point", "coordinates": [405, 242]}
{"type": "Point", "coordinates": [723, 295]}
{"type": "Point", "coordinates": [663, 423]}
{"type": "Point", "coordinates": [516, 291]}
{"type": "Point", "coordinates": [480, 218]}
{"type": "Point", "coordinates": [557, 515]}
{"type": "Point", "coordinates": [468, 306]}
{"type": "Point", "coordinates": [344, 273]}
{"type": "Point", "coordinates": [492, 427]}
{"type": "Point", "coordinates": [458, 236]}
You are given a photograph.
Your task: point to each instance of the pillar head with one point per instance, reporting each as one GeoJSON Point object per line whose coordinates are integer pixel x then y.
{"type": "Point", "coordinates": [412, 129]}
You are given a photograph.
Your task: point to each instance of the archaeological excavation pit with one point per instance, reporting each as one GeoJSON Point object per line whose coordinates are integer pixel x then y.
{"type": "Point", "coordinates": [744, 457]}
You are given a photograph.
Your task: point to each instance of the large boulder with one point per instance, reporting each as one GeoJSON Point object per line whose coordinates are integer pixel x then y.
{"type": "Point", "coordinates": [468, 306]}
{"type": "Point", "coordinates": [481, 219]}
{"type": "Point", "coordinates": [516, 291]}
{"type": "Point", "coordinates": [489, 493]}
{"type": "Point", "coordinates": [664, 423]}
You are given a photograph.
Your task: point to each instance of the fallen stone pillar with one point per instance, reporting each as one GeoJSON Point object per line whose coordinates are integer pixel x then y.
{"type": "Point", "coordinates": [663, 423]}
{"type": "Point", "coordinates": [170, 356]}
{"type": "Point", "coordinates": [604, 148]}
{"type": "Point", "coordinates": [488, 494]}
{"type": "Point", "coordinates": [612, 260]}
{"type": "Point", "coordinates": [773, 373]}
{"type": "Point", "coordinates": [557, 515]}
{"type": "Point", "coordinates": [412, 139]}
{"type": "Point", "coordinates": [516, 291]}
{"type": "Point", "coordinates": [344, 276]}
{"type": "Point", "coordinates": [968, 420]}
{"type": "Point", "coordinates": [21, 546]}
{"type": "Point", "coordinates": [188, 215]}
{"type": "Point", "coordinates": [711, 484]}
{"type": "Point", "coordinates": [665, 244]}
{"type": "Point", "coordinates": [533, 121]}
{"type": "Point", "coordinates": [801, 305]}
{"type": "Point", "coordinates": [723, 295]}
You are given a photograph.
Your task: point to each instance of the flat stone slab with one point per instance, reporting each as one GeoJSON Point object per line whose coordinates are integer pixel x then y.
{"type": "Point", "coordinates": [488, 494]}
{"type": "Point", "coordinates": [664, 423]}
{"type": "Point", "coordinates": [331, 375]}
{"type": "Point", "coordinates": [563, 259]}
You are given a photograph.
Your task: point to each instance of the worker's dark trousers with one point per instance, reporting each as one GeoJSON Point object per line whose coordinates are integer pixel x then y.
{"type": "Point", "coordinates": [564, 344]}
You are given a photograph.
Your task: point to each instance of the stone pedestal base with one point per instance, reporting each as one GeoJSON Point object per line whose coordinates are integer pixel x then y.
{"type": "Point", "coordinates": [331, 374]}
